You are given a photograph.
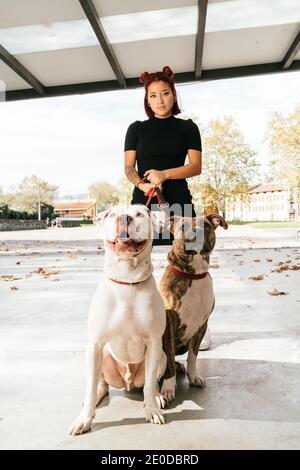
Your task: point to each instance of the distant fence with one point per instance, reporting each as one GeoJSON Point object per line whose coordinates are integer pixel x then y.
{"type": "Point", "coordinates": [14, 224]}
{"type": "Point", "coordinates": [70, 223]}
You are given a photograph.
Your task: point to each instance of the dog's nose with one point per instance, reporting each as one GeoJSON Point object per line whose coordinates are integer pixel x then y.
{"type": "Point", "coordinates": [123, 221]}
{"type": "Point", "coordinates": [195, 235]}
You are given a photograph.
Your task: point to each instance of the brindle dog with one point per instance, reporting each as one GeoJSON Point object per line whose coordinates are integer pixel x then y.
{"type": "Point", "coordinates": [188, 295]}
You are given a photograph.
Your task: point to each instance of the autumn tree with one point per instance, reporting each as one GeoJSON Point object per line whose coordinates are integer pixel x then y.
{"type": "Point", "coordinates": [228, 165]}
{"type": "Point", "coordinates": [105, 194]}
{"type": "Point", "coordinates": [125, 188]}
{"type": "Point", "coordinates": [283, 137]}
{"type": "Point", "coordinates": [32, 190]}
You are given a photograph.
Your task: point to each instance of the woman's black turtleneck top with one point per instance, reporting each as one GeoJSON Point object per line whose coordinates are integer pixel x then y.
{"type": "Point", "coordinates": [161, 144]}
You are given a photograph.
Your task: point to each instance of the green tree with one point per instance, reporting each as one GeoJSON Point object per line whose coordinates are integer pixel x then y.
{"type": "Point", "coordinates": [283, 137]}
{"type": "Point", "coordinates": [4, 210]}
{"type": "Point", "coordinates": [228, 165]}
{"type": "Point", "coordinates": [105, 194]}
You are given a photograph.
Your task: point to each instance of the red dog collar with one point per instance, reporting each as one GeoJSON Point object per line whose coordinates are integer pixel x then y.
{"type": "Point", "coordinates": [186, 275]}
{"type": "Point", "coordinates": [127, 283]}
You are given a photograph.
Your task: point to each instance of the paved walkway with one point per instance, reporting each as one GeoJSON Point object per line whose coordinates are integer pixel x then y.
{"type": "Point", "coordinates": [252, 369]}
{"type": "Point", "coordinates": [89, 239]}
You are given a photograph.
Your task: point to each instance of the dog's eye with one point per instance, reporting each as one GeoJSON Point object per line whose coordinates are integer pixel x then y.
{"type": "Point", "coordinates": [139, 214]}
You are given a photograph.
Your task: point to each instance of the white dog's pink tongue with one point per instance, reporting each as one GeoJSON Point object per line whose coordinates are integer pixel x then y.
{"type": "Point", "coordinates": [122, 241]}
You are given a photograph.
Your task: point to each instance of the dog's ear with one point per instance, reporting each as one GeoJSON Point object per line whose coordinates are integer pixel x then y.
{"type": "Point", "coordinates": [101, 216]}
{"type": "Point", "coordinates": [216, 220]}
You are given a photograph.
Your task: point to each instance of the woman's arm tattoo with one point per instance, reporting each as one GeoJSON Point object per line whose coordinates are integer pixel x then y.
{"type": "Point", "coordinates": [132, 175]}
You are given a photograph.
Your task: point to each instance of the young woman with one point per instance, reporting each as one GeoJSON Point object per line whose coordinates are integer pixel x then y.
{"type": "Point", "coordinates": [159, 146]}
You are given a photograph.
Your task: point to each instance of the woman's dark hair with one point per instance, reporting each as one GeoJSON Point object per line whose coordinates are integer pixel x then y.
{"type": "Point", "coordinates": [166, 75]}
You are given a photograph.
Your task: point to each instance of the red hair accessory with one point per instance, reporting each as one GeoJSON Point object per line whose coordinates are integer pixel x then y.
{"type": "Point", "coordinates": [143, 77]}
{"type": "Point", "coordinates": [168, 72]}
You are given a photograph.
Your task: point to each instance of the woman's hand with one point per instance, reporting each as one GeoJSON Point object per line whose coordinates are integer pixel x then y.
{"type": "Point", "coordinates": [145, 187]}
{"type": "Point", "coordinates": [155, 177]}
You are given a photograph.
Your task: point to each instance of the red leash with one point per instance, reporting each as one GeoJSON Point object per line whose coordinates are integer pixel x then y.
{"type": "Point", "coordinates": [155, 192]}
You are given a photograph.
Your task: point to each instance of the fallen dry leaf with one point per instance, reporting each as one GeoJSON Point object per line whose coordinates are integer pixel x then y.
{"type": "Point", "coordinates": [277, 292]}
{"type": "Point", "coordinates": [259, 277]}
{"type": "Point", "coordinates": [71, 257]}
{"type": "Point", "coordinates": [281, 268]}
{"type": "Point", "coordinates": [18, 262]}
{"type": "Point", "coordinates": [50, 273]}
{"type": "Point", "coordinates": [46, 273]}
{"type": "Point", "coordinates": [295, 267]}
{"type": "Point", "coordinates": [14, 288]}
{"type": "Point", "coordinates": [269, 260]}
{"type": "Point", "coordinates": [8, 277]}
{"type": "Point", "coordinates": [40, 270]}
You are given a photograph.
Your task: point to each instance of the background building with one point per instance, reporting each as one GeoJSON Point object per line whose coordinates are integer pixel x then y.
{"type": "Point", "coordinates": [264, 203]}
{"type": "Point", "coordinates": [76, 210]}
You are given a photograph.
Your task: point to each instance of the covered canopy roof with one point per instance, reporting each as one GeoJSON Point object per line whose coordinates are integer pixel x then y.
{"type": "Point", "coordinates": [61, 47]}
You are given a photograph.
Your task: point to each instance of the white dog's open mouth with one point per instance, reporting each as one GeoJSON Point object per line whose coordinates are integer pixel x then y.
{"type": "Point", "coordinates": [127, 245]}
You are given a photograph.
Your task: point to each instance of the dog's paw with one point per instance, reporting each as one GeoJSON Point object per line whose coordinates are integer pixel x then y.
{"type": "Point", "coordinates": [81, 425]}
{"type": "Point", "coordinates": [161, 402]}
{"type": "Point", "coordinates": [196, 380]}
{"type": "Point", "coordinates": [168, 389]}
{"type": "Point", "coordinates": [153, 414]}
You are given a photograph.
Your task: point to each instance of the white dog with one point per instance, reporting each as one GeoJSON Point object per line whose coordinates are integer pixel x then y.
{"type": "Point", "coordinates": [127, 316]}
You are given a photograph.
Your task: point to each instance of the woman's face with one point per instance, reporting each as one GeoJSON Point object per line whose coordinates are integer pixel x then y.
{"type": "Point", "coordinates": [160, 99]}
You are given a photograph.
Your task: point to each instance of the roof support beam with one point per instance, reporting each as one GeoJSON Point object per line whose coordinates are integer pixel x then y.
{"type": "Point", "coordinates": [202, 11]}
{"type": "Point", "coordinates": [292, 52]}
{"type": "Point", "coordinates": [184, 77]}
{"type": "Point", "coordinates": [93, 17]}
{"type": "Point", "coordinates": [17, 67]}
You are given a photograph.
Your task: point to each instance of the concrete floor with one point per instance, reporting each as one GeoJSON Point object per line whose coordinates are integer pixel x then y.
{"type": "Point", "coordinates": [252, 369]}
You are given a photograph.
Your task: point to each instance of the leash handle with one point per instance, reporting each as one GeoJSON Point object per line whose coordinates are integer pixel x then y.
{"type": "Point", "coordinates": [163, 205]}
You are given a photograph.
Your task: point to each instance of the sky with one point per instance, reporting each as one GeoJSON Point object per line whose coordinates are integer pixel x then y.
{"type": "Point", "coordinates": [78, 140]}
